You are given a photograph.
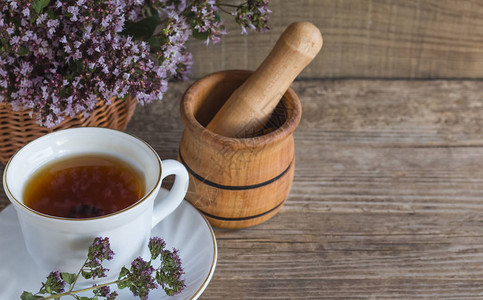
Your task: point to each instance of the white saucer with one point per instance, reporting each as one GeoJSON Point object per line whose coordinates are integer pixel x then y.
{"type": "Point", "coordinates": [185, 229]}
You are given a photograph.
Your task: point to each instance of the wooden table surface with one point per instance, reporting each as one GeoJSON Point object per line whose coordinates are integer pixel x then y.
{"type": "Point", "coordinates": [386, 203]}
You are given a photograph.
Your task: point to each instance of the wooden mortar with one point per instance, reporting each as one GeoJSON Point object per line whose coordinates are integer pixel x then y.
{"type": "Point", "coordinates": [236, 182]}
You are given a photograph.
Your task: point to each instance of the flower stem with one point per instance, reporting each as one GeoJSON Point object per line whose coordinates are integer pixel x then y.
{"type": "Point", "coordinates": [77, 276]}
{"type": "Point", "coordinates": [70, 292]}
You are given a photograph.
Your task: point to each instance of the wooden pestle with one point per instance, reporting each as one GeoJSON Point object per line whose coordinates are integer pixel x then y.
{"type": "Point", "coordinates": [249, 108]}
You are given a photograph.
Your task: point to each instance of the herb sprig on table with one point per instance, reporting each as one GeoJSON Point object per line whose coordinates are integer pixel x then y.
{"type": "Point", "coordinates": [142, 277]}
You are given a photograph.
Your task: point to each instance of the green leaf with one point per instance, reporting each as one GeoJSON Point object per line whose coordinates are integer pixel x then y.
{"type": "Point", "coordinates": [142, 29]}
{"type": "Point", "coordinates": [51, 14]}
{"type": "Point", "coordinates": [155, 43]}
{"type": "Point", "coordinates": [86, 274]}
{"type": "Point", "coordinates": [23, 51]}
{"type": "Point", "coordinates": [124, 272]}
{"type": "Point", "coordinates": [29, 296]}
{"type": "Point", "coordinates": [76, 67]}
{"type": "Point", "coordinates": [123, 284]}
{"type": "Point", "coordinates": [80, 67]}
{"type": "Point", "coordinates": [39, 5]}
{"type": "Point", "coordinates": [201, 35]}
{"type": "Point", "coordinates": [69, 278]}
{"type": "Point", "coordinates": [4, 45]}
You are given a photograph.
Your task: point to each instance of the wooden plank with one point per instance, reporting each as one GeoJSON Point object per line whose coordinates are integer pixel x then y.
{"type": "Point", "coordinates": [365, 39]}
{"type": "Point", "coordinates": [345, 255]}
{"type": "Point", "coordinates": [387, 200]}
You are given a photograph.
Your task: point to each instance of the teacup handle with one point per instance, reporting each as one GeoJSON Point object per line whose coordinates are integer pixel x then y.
{"type": "Point", "coordinates": [163, 207]}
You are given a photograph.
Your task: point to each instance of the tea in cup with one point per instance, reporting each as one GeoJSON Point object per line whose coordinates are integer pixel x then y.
{"type": "Point", "coordinates": [71, 186]}
{"type": "Point", "coordinates": [83, 186]}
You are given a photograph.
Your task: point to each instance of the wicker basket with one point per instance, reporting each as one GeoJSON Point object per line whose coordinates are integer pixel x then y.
{"type": "Point", "coordinates": [17, 128]}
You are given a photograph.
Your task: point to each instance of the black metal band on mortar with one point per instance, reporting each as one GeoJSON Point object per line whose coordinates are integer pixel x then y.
{"type": "Point", "coordinates": [232, 187]}
{"type": "Point", "coordinates": [241, 218]}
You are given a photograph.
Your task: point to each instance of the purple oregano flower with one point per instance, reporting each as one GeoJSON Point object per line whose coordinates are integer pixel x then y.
{"type": "Point", "coordinates": [58, 58]}
{"type": "Point", "coordinates": [98, 252]}
{"type": "Point", "coordinates": [163, 270]}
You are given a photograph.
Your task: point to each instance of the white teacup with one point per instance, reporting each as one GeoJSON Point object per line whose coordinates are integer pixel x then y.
{"type": "Point", "coordinates": [57, 243]}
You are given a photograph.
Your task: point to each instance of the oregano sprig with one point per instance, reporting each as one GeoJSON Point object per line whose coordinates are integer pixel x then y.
{"type": "Point", "coordinates": [162, 270]}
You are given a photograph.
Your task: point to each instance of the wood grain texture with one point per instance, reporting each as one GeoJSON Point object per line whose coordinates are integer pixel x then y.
{"type": "Point", "coordinates": [250, 106]}
{"type": "Point", "coordinates": [236, 182]}
{"type": "Point", "coordinates": [387, 199]}
{"type": "Point", "coordinates": [365, 39]}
